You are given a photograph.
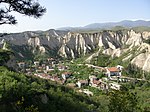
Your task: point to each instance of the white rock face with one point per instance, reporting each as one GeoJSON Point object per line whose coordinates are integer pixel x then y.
{"type": "Point", "coordinates": [142, 61]}
{"type": "Point", "coordinates": [72, 45]}
{"type": "Point", "coordinates": [145, 47]}
{"type": "Point", "coordinates": [113, 52]}
{"type": "Point", "coordinates": [146, 66]}
{"type": "Point", "coordinates": [34, 41]}
{"type": "Point", "coordinates": [135, 38]}
{"type": "Point", "coordinates": [127, 58]}
{"type": "Point", "coordinates": [146, 35]}
{"type": "Point", "coordinates": [77, 44]}
{"type": "Point", "coordinates": [62, 51]}
{"type": "Point", "coordinates": [42, 49]}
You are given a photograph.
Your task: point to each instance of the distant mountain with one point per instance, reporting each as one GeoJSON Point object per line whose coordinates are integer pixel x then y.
{"type": "Point", "coordinates": [70, 28]}
{"type": "Point", "coordinates": [125, 23]}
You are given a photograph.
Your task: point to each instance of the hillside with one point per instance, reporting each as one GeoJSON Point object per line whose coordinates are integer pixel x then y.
{"type": "Point", "coordinates": [132, 46]}
{"type": "Point", "coordinates": [21, 93]}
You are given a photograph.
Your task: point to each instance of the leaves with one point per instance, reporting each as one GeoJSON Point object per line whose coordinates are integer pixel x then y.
{"type": "Point", "coordinates": [123, 101]}
{"type": "Point", "coordinates": [25, 7]}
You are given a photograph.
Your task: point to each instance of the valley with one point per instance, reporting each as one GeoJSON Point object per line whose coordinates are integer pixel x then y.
{"type": "Point", "coordinates": [95, 57]}
{"type": "Point", "coordinates": [92, 65]}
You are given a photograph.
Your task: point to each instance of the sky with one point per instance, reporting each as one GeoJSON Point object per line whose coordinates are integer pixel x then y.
{"type": "Point", "coordinates": [77, 13]}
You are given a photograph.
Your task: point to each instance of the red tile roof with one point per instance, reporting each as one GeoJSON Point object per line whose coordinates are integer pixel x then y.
{"type": "Point", "coordinates": [96, 82]}
{"type": "Point", "coordinates": [113, 69]}
{"type": "Point", "coordinates": [67, 73]}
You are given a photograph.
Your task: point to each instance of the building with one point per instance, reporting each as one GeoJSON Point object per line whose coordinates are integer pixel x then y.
{"type": "Point", "coordinates": [66, 75]}
{"type": "Point", "coordinates": [36, 63]}
{"type": "Point", "coordinates": [49, 68]}
{"type": "Point", "coordinates": [81, 83]}
{"type": "Point", "coordinates": [115, 86]}
{"type": "Point", "coordinates": [86, 91]}
{"type": "Point", "coordinates": [43, 75]}
{"type": "Point", "coordinates": [62, 67]}
{"type": "Point", "coordinates": [120, 67]}
{"type": "Point", "coordinates": [104, 86]}
{"type": "Point", "coordinates": [113, 71]}
{"type": "Point", "coordinates": [21, 64]}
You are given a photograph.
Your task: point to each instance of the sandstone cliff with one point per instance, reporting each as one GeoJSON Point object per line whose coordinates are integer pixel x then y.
{"type": "Point", "coordinates": [73, 45]}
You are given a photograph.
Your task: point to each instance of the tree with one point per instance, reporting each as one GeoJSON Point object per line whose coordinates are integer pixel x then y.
{"type": "Point", "coordinates": [123, 101]}
{"type": "Point", "coordinates": [26, 7]}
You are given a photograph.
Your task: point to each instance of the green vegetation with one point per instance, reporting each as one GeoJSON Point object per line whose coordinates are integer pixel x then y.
{"type": "Point", "coordinates": [26, 7]}
{"type": "Point", "coordinates": [23, 52]}
{"type": "Point", "coordinates": [134, 71]}
{"type": "Point", "coordinates": [26, 93]}
{"type": "Point", "coordinates": [41, 94]}
{"type": "Point", "coordinates": [5, 55]}
{"type": "Point", "coordinates": [147, 41]}
{"type": "Point", "coordinates": [101, 60]}
{"type": "Point", "coordinates": [123, 101]}
{"type": "Point", "coordinates": [142, 90]}
{"type": "Point", "coordinates": [83, 71]}
{"type": "Point", "coordinates": [141, 29]}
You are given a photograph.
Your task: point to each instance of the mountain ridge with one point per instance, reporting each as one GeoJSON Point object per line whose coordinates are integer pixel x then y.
{"type": "Point", "coordinates": [107, 25]}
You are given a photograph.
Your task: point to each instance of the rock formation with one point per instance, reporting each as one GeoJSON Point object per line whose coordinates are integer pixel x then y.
{"type": "Point", "coordinates": [72, 45]}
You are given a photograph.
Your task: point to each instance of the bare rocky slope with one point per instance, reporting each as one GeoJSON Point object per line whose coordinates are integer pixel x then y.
{"type": "Point", "coordinates": [132, 46]}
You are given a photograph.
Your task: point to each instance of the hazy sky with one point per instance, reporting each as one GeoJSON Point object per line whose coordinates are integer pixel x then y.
{"type": "Point", "coordinates": [64, 13]}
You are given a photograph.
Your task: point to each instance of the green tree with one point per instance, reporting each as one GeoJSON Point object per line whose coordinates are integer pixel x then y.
{"type": "Point", "coordinates": [26, 7]}
{"type": "Point", "coordinates": [5, 56]}
{"type": "Point", "coordinates": [123, 101]}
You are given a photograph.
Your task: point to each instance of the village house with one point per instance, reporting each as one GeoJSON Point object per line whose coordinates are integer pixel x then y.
{"type": "Point", "coordinates": [50, 59]}
{"type": "Point", "coordinates": [36, 63]}
{"type": "Point", "coordinates": [40, 68]}
{"type": "Point", "coordinates": [66, 75]}
{"type": "Point", "coordinates": [120, 67]}
{"type": "Point", "coordinates": [92, 77]}
{"type": "Point", "coordinates": [56, 79]}
{"type": "Point", "coordinates": [114, 71]}
{"type": "Point", "coordinates": [86, 91]}
{"type": "Point", "coordinates": [43, 65]}
{"type": "Point", "coordinates": [38, 71]}
{"type": "Point", "coordinates": [62, 67]}
{"type": "Point", "coordinates": [21, 64]}
{"type": "Point", "coordinates": [42, 75]}
{"type": "Point", "coordinates": [115, 86]}
{"type": "Point", "coordinates": [28, 71]}
{"type": "Point", "coordinates": [104, 86]}
{"type": "Point", "coordinates": [49, 68]}
{"type": "Point", "coordinates": [94, 81]}
{"type": "Point", "coordinates": [98, 83]}
{"type": "Point", "coordinates": [81, 83]}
